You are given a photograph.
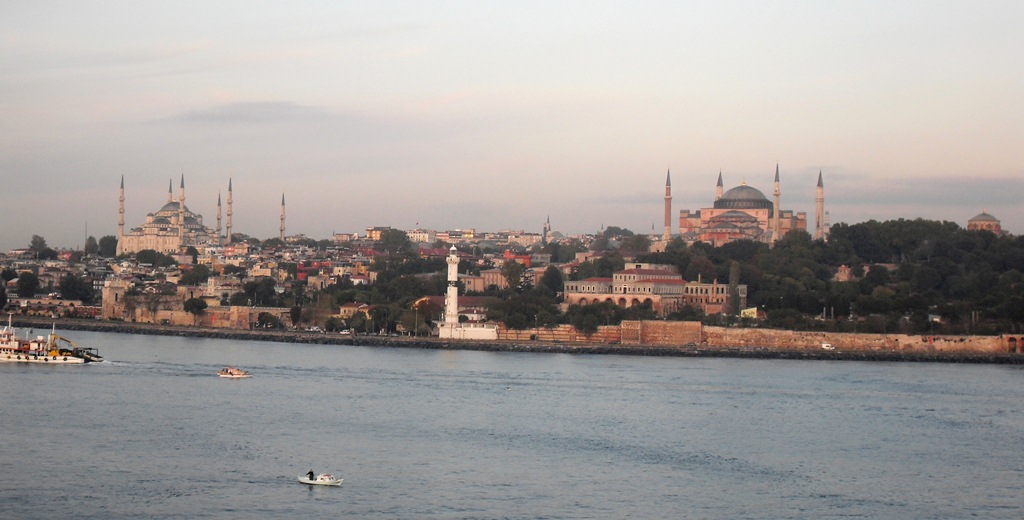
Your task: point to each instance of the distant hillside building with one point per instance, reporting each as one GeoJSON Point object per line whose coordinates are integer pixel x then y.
{"type": "Point", "coordinates": [170, 229]}
{"type": "Point", "coordinates": [656, 285]}
{"type": "Point", "coordinates": [745, 213]}
{"type": "Point", "coordinates": [985, 222]}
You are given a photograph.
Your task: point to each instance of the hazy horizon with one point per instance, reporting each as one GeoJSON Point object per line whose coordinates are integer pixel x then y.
{"type": "Point", "coordinates": [468, 115]}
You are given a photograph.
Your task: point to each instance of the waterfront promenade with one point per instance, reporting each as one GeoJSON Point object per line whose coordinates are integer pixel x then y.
{"type": "Point", "coordinates": [764, 351]}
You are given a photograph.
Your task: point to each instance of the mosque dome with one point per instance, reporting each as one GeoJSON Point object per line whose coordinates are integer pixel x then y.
{"type": "Point", "coordinates": [743, 197]}
{"type": "Point", "coordinates": [983, 217]}
{"type": "Point", "coordinates": [171, 207]}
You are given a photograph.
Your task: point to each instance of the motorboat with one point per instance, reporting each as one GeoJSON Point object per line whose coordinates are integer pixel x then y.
{"type": "Point", "coordinates": [323, 479]}
{"type": "Point", "coordinates": [233, 373]}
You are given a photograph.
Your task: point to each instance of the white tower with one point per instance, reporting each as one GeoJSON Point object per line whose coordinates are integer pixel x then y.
{"type": "Point", "coordinates": [451, 298]}
{"type": "Point", "coordinates": [220, 242]}
{"type": "Point", "coordinates": [181, 213]}
{"type": "Point", "coordinates": [820, 232]}
{"type": "Point", "coordinates": [228, 231]}
{"type": "Point", "coordinates": [282, 217]}
{"type": "Point", "coordinates": [667, 235]}
{"type": "Point", "coordinates": [120, 212]}
{"type": "Point", "coordinates": [776, 223]}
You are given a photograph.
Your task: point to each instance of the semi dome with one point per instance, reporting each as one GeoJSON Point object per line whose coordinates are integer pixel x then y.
{"type": "Point", "coordinates": [733, 216]}
{"type": "Point", "coordinates": [743, 197]}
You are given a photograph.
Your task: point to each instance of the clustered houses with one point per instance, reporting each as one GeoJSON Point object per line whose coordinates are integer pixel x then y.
{"type": "Point", "coordinates": [136, 292]}
{"type": "Point", "coordinates": [142, 293]}
{"type": "Point", "coordinates": [48, 302]}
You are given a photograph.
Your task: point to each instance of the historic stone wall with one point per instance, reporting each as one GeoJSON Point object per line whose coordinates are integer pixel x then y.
{"type": "Point", "coordinates": [661, 333]}
{"type": "Point", "coordinates": [770, 338]}
{"type": "Point", "coordinates": [562, 334]}
{"type": "Point", "coordinates": [658, 333]}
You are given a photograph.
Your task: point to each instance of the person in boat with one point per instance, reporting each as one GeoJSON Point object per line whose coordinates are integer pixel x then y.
{"type": "Point", "coordinates": [310, 475]}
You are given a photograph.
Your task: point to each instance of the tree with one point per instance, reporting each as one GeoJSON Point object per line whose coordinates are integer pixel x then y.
{"type": "Point", "coordinates": [42, 251]}
{"type": "Point", "coordinates": [75, 288]}
{"type": "Point", "coordinates": [3, 297]}
{"type": "Point", "coordinates": [637, 243]}
{"type": "Point", "coordinates": [91, 246]}
{"type": "Point", "coordinates": [394, 242]}
{"type": "Point", "coordinates": [197, 274]}
{"type": "Point", "coordinates": [358, 321]}
{"type": "Point", "coordinates": [551, 281]}
{"type": "Point", "coordinates": [108, 246]}
{"type": "Point", "coordinates": [262, 292]}
{"type": "Point", "coordinates": [38, 244]}
{"type": "Point", "coordinates": [268, 321]}
{"type": "Point", "coordinates": [8, 274]}
{"type": "Point", "coordinates": [515, 275]}
{"type": "Point", "coordinates": [28, 284]}
{"type": "Point", "coordinates": [196, 307]}
{"type": "Point", "coordinates": [231, 269]}
{"type": "Point", "coordinates": [154, 258]}
{"type": "Point", "coordinates": [702, 269]}
{"type": "Point", "coordinates": [193, 252]}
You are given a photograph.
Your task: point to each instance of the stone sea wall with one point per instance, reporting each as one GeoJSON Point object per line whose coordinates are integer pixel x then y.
{"type": "Point", "coordinates": [649, 338]}
{"type": "Point", "coordinates": [796, 340]}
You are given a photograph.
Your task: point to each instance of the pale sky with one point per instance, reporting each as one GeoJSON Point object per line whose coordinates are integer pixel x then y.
{"type": "Point", "coordinates": [494, 115]}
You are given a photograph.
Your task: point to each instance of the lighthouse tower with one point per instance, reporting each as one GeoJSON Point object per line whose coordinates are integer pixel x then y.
{"type": "Point", "coordinates": [451, 298]}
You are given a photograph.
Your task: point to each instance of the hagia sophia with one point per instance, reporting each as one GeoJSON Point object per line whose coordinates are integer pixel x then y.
{"type": "Point", "coordinates": [744, 212]}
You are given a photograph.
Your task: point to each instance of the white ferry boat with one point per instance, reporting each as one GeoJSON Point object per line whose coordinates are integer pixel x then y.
{"type": "Point", "coordinates": [42, 349]}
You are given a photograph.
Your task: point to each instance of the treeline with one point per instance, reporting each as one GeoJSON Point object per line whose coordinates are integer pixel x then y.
{"type": "Point", "coordinates": [910, 276]}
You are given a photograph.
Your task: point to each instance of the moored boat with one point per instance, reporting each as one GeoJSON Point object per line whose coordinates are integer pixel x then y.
{"type": "Point", "coordinates": [49, 349]}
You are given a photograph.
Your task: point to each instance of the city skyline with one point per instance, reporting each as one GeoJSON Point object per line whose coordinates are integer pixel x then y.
{"type": "Point", "coordinates": [495, 117]}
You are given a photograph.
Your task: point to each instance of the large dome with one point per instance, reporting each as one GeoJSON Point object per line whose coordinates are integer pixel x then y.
{"type": "Point", "coordinates": [171, 207]}
{"type": "Point", "coordinates": [743, 197]}
{"type": "Point", "coordinates": [983, 217]}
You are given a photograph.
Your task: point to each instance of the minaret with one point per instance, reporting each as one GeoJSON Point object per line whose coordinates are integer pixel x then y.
{"type": "Point", "coordinates": [229, 212]}
{"type": "Point", "coordinates": [120, 212]}
{"type": "Point", "coordinates": [668, 207]}
{"type": "Point", "coordinates": [819, 210]}
{"type": "Point", "coordinates": [181, 213]}
{"type": "Point", "coordinates": [219, 238]}
{"type": "Point", "coordinates": [170, 190]}
{"type": "Point", "coordinates": [776, 223]}
{"type": "Point", "coordinates": [547, 231]}
{"type": "Point", "coordinates": [282, 217]}
{"type": "Point", "coordinates": [719, 188]}
{"type": "Point", "coordinates": [451, 298]}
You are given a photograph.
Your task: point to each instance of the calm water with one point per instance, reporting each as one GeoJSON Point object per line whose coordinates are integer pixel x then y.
{"type": "Point", "coordinates": [153, 432]}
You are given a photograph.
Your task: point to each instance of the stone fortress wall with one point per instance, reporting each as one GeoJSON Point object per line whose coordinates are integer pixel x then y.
{"type": "Point", "coordinates": [676, 334]}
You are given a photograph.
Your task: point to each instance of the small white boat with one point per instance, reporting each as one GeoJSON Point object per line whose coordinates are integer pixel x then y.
{"type": "Point", "coordinates": [233, 373]}
{"type": "Point", "coordinates": [323, 479]}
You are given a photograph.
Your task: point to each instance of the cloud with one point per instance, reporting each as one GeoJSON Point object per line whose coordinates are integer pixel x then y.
{"type": "Point", "coordinates": [256, 112]}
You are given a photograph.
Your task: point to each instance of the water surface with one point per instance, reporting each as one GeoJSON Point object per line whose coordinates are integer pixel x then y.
{"type": "Point", "coordinates": [153, 433]}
